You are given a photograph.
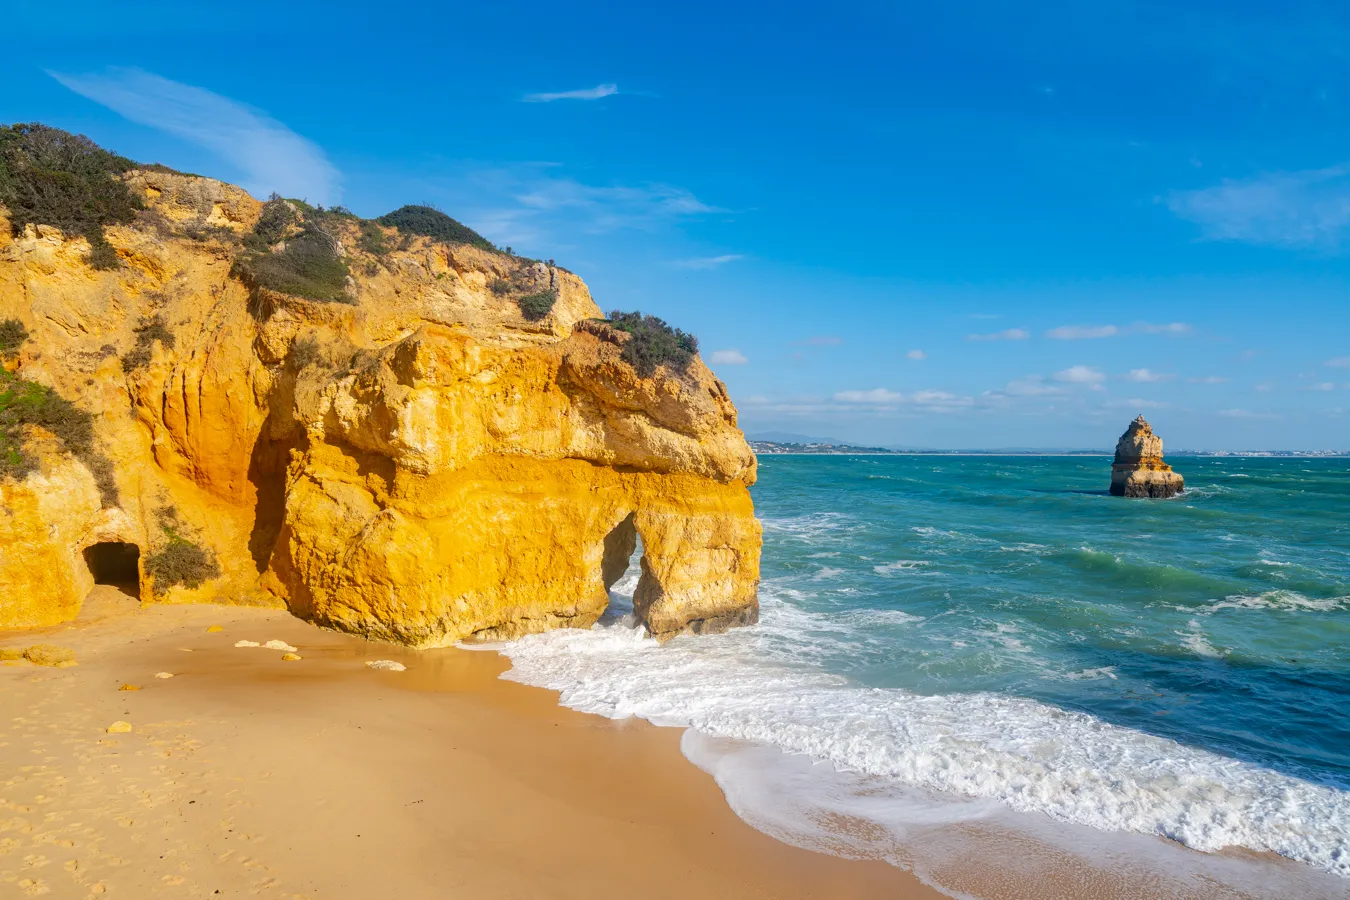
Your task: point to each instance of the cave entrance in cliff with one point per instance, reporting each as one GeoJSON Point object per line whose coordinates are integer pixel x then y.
{"type": "Point", "coordinates": [621, 568]}
{"type": "Point", "coordinates": [116, 564]}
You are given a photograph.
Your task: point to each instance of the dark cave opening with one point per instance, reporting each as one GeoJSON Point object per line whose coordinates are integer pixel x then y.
{"type": "Point", "coordinates": [115, 563]}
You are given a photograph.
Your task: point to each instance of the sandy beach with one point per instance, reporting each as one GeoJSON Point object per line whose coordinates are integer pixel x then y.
{"type": "Point", "coordinates": [247, 775]}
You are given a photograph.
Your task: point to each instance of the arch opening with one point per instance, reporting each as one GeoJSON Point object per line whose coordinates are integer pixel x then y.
{"type": "Point", "coordinates": [117, 564]}
{"type": "Point", "coordinates": [621, 569]}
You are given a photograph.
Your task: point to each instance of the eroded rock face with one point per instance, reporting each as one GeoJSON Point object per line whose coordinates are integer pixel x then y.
{"type": "Point", "coordinates": [422, 465]}
{"type": "Point", "coordinates": [1139, 470]}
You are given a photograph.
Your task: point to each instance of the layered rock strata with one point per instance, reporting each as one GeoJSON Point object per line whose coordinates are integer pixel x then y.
{"type": "Point", "coordinates": [1139, 470]}
{"type": "Point", "coordinates": [421, 464]}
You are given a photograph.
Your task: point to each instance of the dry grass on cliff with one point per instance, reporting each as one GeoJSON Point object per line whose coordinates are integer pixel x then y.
{"type": "Point", "coordinates": [149, 331]}
{"type": "Point", "coordinates": [179, 560]}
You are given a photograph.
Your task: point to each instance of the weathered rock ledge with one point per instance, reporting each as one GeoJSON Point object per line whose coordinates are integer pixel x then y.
{"type": "Point", "coordinates": [421, 464]}
{"type": "Point", "coordinates": [1139, 470]}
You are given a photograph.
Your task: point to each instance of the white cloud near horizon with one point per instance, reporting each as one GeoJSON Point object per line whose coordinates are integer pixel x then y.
{"type": "Point", "coordinates": [599, 92]}
{"type": "Point", "coordinates": [1147, 376]}
{"type": "Point", "coordinates": [1308, 209]}
{"type": "Point", "coordinates": [1007, 334]}
{"type": "Point", "coordinates": [270, 155]}
{"type": "Point", "coordinates": [709, 262]}
{"type": "Point", "coordinates": [729, 357]}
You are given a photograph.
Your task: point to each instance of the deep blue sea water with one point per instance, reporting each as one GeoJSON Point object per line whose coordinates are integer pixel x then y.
{"type": "Point", "coordinates": [996, 644]}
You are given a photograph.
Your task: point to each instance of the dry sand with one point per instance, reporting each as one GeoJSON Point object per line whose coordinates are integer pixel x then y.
{"type": "Point", "coordinates": [248, 775]}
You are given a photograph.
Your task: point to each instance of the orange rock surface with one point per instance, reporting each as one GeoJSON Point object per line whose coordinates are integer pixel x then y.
{"type": "Point", "coordinates": [422, 464]}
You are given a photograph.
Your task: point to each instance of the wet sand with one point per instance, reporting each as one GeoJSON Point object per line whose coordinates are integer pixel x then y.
{"type": "Point", "coordinates": [246, 775]}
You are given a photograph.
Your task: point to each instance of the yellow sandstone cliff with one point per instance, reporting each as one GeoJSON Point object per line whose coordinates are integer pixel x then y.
{"type": "Point", "coordinates": [421, 464]}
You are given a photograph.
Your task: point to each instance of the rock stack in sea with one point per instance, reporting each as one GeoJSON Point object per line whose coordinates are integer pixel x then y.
{"type": "Point", "coordinates": [1139, 470]}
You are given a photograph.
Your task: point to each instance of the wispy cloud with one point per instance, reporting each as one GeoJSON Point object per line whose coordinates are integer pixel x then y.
{"type": "Point", "coordinates": [730, 357]}
{"type": "Point", "coordinates": [1147, 376]}
{"type": "Point", "coordinates": [1340, 362]}
{"type": "Point", "coordinates": [823, 340]}
{"type": "Point", "coordinates": [1139, 403]}
{"type": "Point", "coordinates": [1091, 332]}
{"type": "Point", "coordinates": [919, 401]}
{"type": "Point", "coordinates": [1081, 332]}
{"type": "Point", "coordinates": [1087, 375]}
{"type": "Point", "coordinates": [1320, 386]}
{"type": "Point", "coordinates": [599, 92]}
{"type": "Point", "coordinates": [1244, 414]}
{"type": "Point", "coordinates": [874, 396]}
{"type": "Point", "coordinates": [708, 262]}
{"type": "Point", "coordinates": [1307, 209]}
{"type": "Point", "coordinates": [916, 354]}
{"type": "Point", "coordinates": [1008, 334]}
{"type": "Point", "coordinates": [270, 155]}
{"type": "Point", "coordinates": [1168, 328]}
{"type": "Point", "coordinates": [1208, 379]}
{"type": "Point", "coordinates": [1029, 386]}
{"type": "Point", "coordinates": [537, 205]}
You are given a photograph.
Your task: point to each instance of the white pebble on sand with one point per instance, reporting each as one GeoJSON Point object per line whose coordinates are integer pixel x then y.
{"type": "Point", "coordinates": [277, 645]}
{"type": "Point", "coordinates": [386, 664]}
{"type": "Point", "coordinates": [163, 674]}
{"type": "Point", "coordinates": [247, 644]}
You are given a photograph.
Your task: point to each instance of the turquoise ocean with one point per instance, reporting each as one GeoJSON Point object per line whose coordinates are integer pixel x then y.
{"type": "Point", "coordinates": [989, 658]}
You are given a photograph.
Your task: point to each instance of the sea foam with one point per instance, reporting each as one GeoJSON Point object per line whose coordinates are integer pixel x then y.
{"type": "Point", "coordinates": [1023, 755]}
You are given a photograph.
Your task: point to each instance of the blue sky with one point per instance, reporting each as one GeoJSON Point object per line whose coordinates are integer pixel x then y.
{"type": "Point", "coordinates": [923, 225]}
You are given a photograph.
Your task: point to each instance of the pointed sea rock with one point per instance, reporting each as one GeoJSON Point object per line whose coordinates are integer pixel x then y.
{"type": "Point", "coordinates": [1139, 470]}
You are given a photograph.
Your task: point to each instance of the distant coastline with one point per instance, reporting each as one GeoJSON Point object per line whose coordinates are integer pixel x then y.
{"type": "Point", "coordinates": [777, 448]}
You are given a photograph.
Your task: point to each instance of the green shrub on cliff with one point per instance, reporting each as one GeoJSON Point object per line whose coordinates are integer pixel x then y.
{"type": "Point", "coordinates": [12, 336]}
{"type": "Point", "coordinates": [24, 403]}
{"type": "Point", "coordinates": [306, 262]}
{"type": "Point", "coordinates": [433, 223]}
{"type": "Point", "coordinates": [51, 177]}
{"type": "Point", "coordinates": [653, 343]}
{"type": "Point", "coordinates": [537, 305]}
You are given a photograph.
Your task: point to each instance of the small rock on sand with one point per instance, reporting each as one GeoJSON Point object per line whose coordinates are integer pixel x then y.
{"type": "Point", "coordinates": [130, 687]}
{"type": "Point", "coordinates": [163, 674]}
{"type": "Point", "coordinates": [50, 655]}
{"type": "Point", "coordinates": [291, 657]}
{"type": "Point", "coordinates": [387, 665]}
{"type": "Point", "coordinates": [279, 645]}
{"type": "Point", "coordinates": [214, 628]}
{"type": "Point", "coordinates": [119, 727]}
{"type": "Point", "coordinates": [247, 644]}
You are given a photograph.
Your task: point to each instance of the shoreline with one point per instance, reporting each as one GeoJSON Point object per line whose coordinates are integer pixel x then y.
{"type": "Point", "coordinates": [319, 778]}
